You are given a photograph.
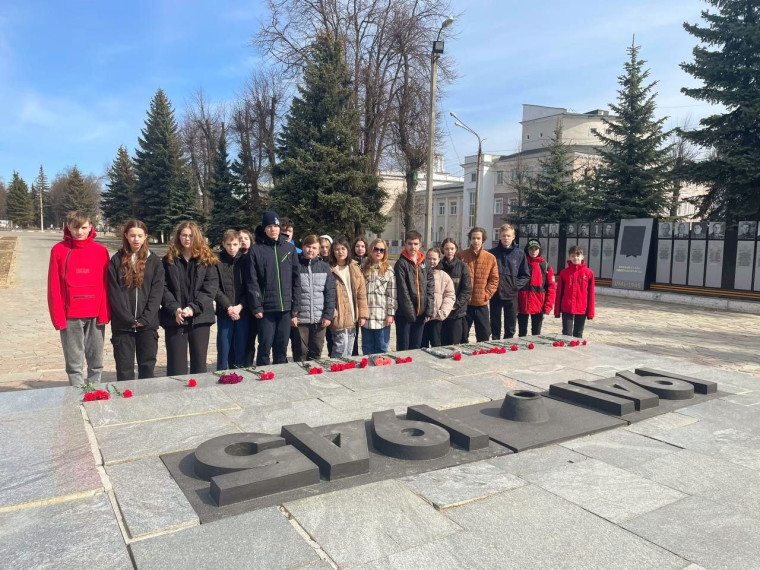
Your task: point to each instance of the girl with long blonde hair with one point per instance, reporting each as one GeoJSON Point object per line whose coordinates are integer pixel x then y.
{"type": "Point", "coordinates": [380, 283]}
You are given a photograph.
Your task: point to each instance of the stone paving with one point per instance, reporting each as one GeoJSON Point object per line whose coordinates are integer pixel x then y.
{"type": "Point", "coordinates": [83, 485]}
{"type": "Point", "coordinates": [31, 356]}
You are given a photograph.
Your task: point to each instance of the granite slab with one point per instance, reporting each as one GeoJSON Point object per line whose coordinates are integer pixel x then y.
{"type": "Point", "coordinates": [381, 468]}
{"type": "Point", "coordinates": [373, 377]}
{"type": "Point", "coordinates": [611, 493]}
{"type": "Point", "coordinates": [536, 529]}
{"type": "Point", "coordinates": [147, 386]}
{"type": "Point", "coordinates": [32, 400]}
{"type": "Point", "coordinates": [718, 440]}
{"type": "Point", "coordinates": [148, 497]}
{"type": "Point", "coordinates": [157, 406]}
{"type": "Point", "coordinates": [435, 393]}
{"type": "Point", "coordinates": [704, 531]}
{"type": "Point", "coordinates": [490, 385]}
{"type": "Point", "coordinates": [262, 540]}
{"type": "Point", "coordinates": [748, 399]}
{"type": "Point", "coordinates": [659, 424]}
{"type": "Point", "coordinates": [746, 418]}
{"type": "Point", "coordinates": [44, 454]}
{"type": "Point", "coordinates": [537, 460]}
{"type": "Point", "coordinates": [358, 525]}
{"type": "Point", "coordinates": [202, 380]}
{"type": "Point", "coordinates": [81, 533]}
{"type": "Point", "coordinates": [545, 378]}
{"type": "Point", "coordinates": [253, 393]}
{"type": "Point", "coordinates": [151, 438]}
{"type": "Point", "coordinates": [461, 484]}
{"type": "Point", "coordinates": [620, 448]}
{"type": "Point", "coordinates": [269, 419]}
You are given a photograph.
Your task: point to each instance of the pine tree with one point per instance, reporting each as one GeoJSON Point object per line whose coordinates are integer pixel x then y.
{"type": "Point", "coordinates": [19, 202]}
{"type": "Point", "coordinates": [633, 174]}
{"type": "Point", "coordinates": [554, 195]}
{"type": "Point", "coordinates": [78, 195]}
{"type": "Point", "coordinates": [728, 64]}
{"type": "Point", "coordinates": [3, 201]}
{"type": "Point", "coordinates": [246, 180]}
{"type": "Point", "coordinates": [42, 186]}
{"type": "Point", "coordinates": [225, 213]}
{"type": "Point", "coordinates": [119, 203]}
{"type": "Point", "coordinates": [163, 191]}
{"type": "Point", "coordinates": [322, 180]}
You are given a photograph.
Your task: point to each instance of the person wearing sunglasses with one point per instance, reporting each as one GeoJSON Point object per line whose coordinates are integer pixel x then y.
{"type": "Point", "coordinates": [381, 298]}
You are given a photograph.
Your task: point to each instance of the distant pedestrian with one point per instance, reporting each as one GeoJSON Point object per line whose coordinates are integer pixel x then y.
{"type": "Point", "coordinates": [575, 294]}
{"type": "Point", "coordinates": [187, 309]}
{"type": "Point", "coordinates": [77, 297]}
{"type": "Point", "coordinates": [456, 323]}
{"type": "Point", "coordinates": [380, 282]}
{"type": "Point", "coordinates": [536, 298]}
{"type": "Point", "coordinates": [135, 290]}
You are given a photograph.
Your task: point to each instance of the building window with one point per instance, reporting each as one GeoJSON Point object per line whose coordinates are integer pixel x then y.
{"type": "Point", "coordinates": [473, 177]}
{"type": "Point", "coordinates": [441, 208]}
{"type": "Point", "coordinates": [498, 206]}
{"type": "Point", "coordinates": [453, 208]}
{"type": "Point", "coordinates": [541, 135]}
{"type": "Point", "coordinates": [511, 205]}
{"type": "Point", "coordinates": [500, 177]}
{"type": "Point", "coordinates": [472, 209]}
{"type": "Point", "coordinates": [512, 175]}
{"type": "Point", "coordinates": [529, 171]}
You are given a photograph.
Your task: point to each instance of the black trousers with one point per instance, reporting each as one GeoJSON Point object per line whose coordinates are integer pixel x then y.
{"type": "Point", "coordinates": [509, 308]}
{"type": "Point", "coordinates": [274, 333]}
{"type": "Point", "coordinates": [431, 334]}
{"type": "Point", "coordinates": [409, 333]}
{"type": "Point", "coordinates": [535, 323]}
{"type": "Point", "coordinates": [178, 340]}
{"type": "Point", "coordinates": [355, 349]}
{"type": "Point", "coordinates": [572, 325]}
{"type": "Point", "coordinates": [479, 316]}
{"type": "Point", "coordinates": [452, 330]}
{"type": "Point", "coordinates": [144, 344]}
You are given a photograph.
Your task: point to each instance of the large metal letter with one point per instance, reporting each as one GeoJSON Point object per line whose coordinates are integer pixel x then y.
{"type": "Point", "coordinates": [460, 433]}
{"type": "Point", "coordinates": [406, 439]}
{"type": "Point", "coordinates": [340, 451]}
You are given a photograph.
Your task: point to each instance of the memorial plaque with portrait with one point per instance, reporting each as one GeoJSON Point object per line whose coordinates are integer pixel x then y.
{"type": "Point", "coordinates": [747, 230]}
{"type": "Point", "coordinates": [553, 259]}
{"type": "Point", "coordinates": [571, 236]}
{"type": "Point", "coordinates": [533, 230]}
{"type": "Point", "coordinates": [697, 256]}
{"type": "Point", "coordinates": [523, 230]}
{"type": "Point", "coordinates": [553, 230]}
{"type": "Point", "coordinates": [543, 230]}
{"type": "Point", "coordinates": [699, 230]}
{"type": "Point", "coordinates": [609, 231]}
{"type": "Point", "coordinates": [745, 263]}
{"type": "Point", "coordinates": [681, 230]}
{"type": "Point", "coordinates": [632, 254]}
{"type": "Point", "coordinates": [608, 258]}
{"type": "Point", "coordinates": [714, 271]}
{"type": "Point", "coordinates": [680, 262]}
{"type": "Point", "coordinates": [584, 230]}
{"type": "Point", "coordinates": [664, 258]}
{"type": "Point", "coordinates": [596, 230]}
{"type": "Point", "coordinates": [571, 230]}
{"type": "Point", "coordinates": [594, 256]}
{"type": "Point", "coordinates": [757, 267]}
{"type": "Point", "coordinates": [665, 230]}
{"type": "Point", "coordinates": [716, 230]}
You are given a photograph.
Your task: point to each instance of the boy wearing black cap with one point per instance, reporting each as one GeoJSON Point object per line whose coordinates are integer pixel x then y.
{"type": "Point", "coordinates": [274, 288]}
{"type": "Point", "coordinates": [536, 299]}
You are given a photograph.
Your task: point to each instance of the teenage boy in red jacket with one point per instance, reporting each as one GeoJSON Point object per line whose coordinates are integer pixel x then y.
{"type": "Point", "coordinates": [77, 282]}
{"type": "Point", "coordinates": [575, 294]}
{"type": "Point", "coordinates": [535, 299]}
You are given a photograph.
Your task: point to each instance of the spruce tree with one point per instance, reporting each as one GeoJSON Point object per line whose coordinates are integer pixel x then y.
{"type": "Point", "coordinates": [554, 195]}
{"type": "Point", "coordinates": [119, 202]}
{"type": "Point", "coordinates": [323, 182]}
{"type": "Point", "coordinates": [41, 186]}
{"type": "Point", "coordinates": [3, 201]}
{"type": "Point", "coordinates": [225, 213]}
{"type": "Point", "coordinates": [728, 64]}
{"type": "Point", "coordinates": [633, 174]}
{"type": "Point", "coordinates": [163, 191]}
{"type": "Point", "coordinates": [78, 195]}
{"type": "Point", "coordinates": [19, 202]}
{"type": "Point", "coordinates": [246, 181]}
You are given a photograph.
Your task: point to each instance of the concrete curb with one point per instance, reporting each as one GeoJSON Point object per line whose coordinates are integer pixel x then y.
{"type": "Point", "coordinates": [730, 305]}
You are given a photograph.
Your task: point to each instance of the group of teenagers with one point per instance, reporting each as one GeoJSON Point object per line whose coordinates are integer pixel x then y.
{"type": "Point", "coordinates": [264, 287]}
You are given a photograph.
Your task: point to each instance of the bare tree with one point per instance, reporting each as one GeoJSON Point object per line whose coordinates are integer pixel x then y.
{"type": "Point", "coordinates": [201, 129]}
{"type": "Point", "coordinates": [682, 153]}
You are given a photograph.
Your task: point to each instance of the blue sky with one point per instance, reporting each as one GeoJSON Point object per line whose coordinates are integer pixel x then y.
{"type": "Point", "coordinates": [76, 78]}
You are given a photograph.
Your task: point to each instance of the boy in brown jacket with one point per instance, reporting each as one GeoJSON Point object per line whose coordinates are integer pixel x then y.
{"type": "Point", "coordinates": [485, 283]}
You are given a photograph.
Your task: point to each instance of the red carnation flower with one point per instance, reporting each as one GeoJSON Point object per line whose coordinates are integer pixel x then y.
{"type": "Point", "coordinates": [408, 358]}
{"type": "Point", "coordinates": [585, 343]}
{"type": "Point", "coordinates": [96, 395]}
{"type": "Point", "coordinates": [513, 348]}
{"type": "Point", "coordinates": [502, 350]}
{"type": "Point", "coordinates": [531, 346]}
{"type": "Point", "coordinates": [231, 378]}
{"type": "Point", "coordinates": [474, 352]}
{"type": "Point", "coordinates": [192, 383]}
{"type": "Point", "coordinates": [127, 393]}
{"type": "Point", "coordinates": [364, 363]}
{"type": "Point", "coordinates": [555, 343]}
{"type": "Point", "coordinates": [313, 370]}
{"type": "Point", "coordinates": [457, 356]}
{"type": "Point", "coordinates": [562, 343]}
{"type": "Point", "coordinates": [399, 361]}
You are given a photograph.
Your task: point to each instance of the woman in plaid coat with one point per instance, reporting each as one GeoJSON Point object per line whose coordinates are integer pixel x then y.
{"type": "Point", "coordinates": [381, 298]}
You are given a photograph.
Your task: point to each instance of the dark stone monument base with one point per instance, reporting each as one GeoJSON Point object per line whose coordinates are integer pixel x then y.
{"type": "Point", "coordinates": [381, 467]}
{"type": "Point", "coordinates": [566, 421]}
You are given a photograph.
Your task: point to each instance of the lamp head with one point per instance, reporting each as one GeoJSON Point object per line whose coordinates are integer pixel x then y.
{"type": "Point", "coordinates": [447, 22]}
{"type": "Point", "coordinates": [453, 114]}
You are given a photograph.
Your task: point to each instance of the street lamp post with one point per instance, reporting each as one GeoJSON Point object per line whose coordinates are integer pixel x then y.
{"type": "Point", "coordinates": [434, 56]}
{"type": "Point", "coordinates": [459, 123]}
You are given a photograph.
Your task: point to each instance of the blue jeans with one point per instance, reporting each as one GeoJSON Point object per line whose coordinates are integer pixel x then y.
{"type": "Point", "coordinates": [231, 335]}
{"type": "Point", "coordinates": [375, 341]}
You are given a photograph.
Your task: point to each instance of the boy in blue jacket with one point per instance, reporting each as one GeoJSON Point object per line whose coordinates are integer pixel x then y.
{"type": "Point", "coordinates": [274, 289]}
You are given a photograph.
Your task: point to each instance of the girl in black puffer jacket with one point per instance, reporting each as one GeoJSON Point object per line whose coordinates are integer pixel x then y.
{"type": "Point", "coordinates": [456, 323]}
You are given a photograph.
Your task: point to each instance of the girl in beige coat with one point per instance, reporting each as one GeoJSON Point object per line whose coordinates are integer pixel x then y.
{"type": "Point", "coordinates": [444, 299]}
{"type": "Point", "coordinates": [351, 306]}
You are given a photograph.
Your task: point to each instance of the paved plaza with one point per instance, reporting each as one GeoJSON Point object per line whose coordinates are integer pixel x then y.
{"type": "Point", "coordinates": [85, 486]}
{"type": "Point", "coordinates": [31, 356]}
